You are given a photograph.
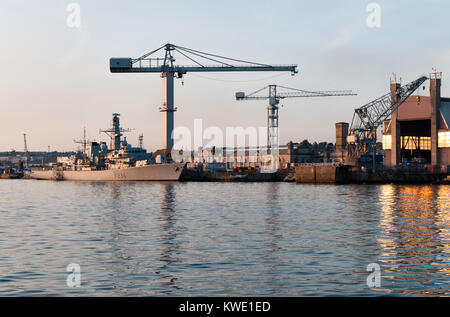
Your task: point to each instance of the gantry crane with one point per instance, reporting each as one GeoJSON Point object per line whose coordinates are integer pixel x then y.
{"type": "Point", "coordinates": [274, 97]}
{"type": "Point", "coordinates": [362, 138]}
{"type": "Point", "coordinates": [165, 65]}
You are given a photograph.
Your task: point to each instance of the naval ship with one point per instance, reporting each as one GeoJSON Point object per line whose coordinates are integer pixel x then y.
{"type": "Point", "coordinates": [120, 162]}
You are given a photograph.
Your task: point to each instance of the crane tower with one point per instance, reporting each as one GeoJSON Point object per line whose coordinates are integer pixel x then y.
{"type": "Point", "coordinates": [274, 97]}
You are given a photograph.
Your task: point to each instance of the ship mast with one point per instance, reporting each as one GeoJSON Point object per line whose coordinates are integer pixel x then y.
{"type": "Point", "coordinates": [84, 141]}
{"type": "Point", "coordinates": [115, 132]}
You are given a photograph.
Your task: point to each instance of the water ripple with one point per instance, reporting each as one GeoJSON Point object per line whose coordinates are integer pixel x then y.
{"type": "Point", "coordinates": [222, 239]}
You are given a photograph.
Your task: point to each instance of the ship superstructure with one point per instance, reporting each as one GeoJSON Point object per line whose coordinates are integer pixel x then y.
{"type": "Point", "coordinates": [121, 161]}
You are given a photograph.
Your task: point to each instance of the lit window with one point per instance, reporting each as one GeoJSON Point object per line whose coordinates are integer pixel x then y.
{"type": "Point", "coordinates": [425, 143]}
{"type": "Point", "coordinates": [415, 143]}
{"type": "Point", "coordinates": [444, 139]}
{"type": "Point", "coordinates": [409, 142]}
{"type": "Point", "coordinates": [387, 142]}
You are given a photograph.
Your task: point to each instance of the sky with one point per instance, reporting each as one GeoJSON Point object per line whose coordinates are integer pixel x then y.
{"type": "Point", "coordinates": [55, 79]}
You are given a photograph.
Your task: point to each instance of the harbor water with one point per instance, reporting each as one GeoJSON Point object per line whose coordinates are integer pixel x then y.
{"type": "Point", "coordinates": [223, 239]}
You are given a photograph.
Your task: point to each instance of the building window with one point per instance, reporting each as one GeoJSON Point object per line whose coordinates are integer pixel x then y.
{"type": "Point", "coordinates": [425, 143]}
{"type": "Point", "coordinates": [444, 139]}
{"type": "Point", "coordinates": [387, 142]}
{"type": "Point", "coordinates": [422, 143]}
{"type": "Point", "coordinates": [409, 142]}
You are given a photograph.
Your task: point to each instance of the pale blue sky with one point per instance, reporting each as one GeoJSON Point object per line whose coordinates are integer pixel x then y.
{"type": "Point", "coordinates": [55, 79]}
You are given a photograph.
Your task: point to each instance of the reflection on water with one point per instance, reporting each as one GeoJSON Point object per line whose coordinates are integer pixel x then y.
{"type": "Point", "coordinates": [125, 260]}
{"type": "Point", "coordinates": [272, 256]}
{"type": "Point", "coordinates": [167, 243]}
{"type": "Point", "coordinates": [414, 239]}
{"type": "Point", "coordinates": [223, 239]}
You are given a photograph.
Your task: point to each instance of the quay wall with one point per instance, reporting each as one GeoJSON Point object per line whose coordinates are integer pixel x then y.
{"type": "Point", "coordinates": [318, 174]}
{"type": "Point", "coordinates": [323, 174]}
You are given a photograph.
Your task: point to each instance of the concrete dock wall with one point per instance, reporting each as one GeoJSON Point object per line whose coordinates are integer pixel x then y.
{"type": "Point", "coordinates": [323, 174]}
{"type": "Point", "coordinates": [317, 174]}
{"type": "Point", "coordinates": [386, 177]}
{"type": "Point", "coordinates": [328, 174]}
{"type": "Point", "coordinates": [195, 175]}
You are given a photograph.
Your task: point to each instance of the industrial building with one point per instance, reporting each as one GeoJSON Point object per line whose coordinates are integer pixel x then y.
{"type": "Point", "coordinates": [418, 132]}
{"type": "Point", "coordinates": [289, 155]}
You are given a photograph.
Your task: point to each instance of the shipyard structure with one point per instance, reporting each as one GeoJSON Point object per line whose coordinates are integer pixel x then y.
{"type": "Point", "coordinates": [417, 133]}
{"type": "Point", "coordinates": [415, 137]}
{"type": "Point", "coordinates": [419, 130]}
{"type": "Point", "coordinates": [398, 137]}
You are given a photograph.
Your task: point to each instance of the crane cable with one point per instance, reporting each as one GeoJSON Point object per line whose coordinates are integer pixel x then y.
{"type": "Point", "coordinates": [214, 60]}
{"type": "Point", "coordinates": [200, 54]}
{"type": "Point", "coordinates": [147, 55]}
{"type": "Point", "coordinates": [218, 56]}
{"type": "Point", "coordinates": [322, 92]}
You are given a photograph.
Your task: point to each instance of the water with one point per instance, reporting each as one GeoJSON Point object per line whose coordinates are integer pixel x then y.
{"type": "Point", "coordinates": [222, 239]}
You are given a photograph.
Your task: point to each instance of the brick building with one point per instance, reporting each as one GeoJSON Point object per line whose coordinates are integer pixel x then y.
{"type": "Point", "coordinates": [419, 130]}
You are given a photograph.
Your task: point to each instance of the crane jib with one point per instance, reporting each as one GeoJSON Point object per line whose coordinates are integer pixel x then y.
{"type": "Point", "coordinates": [373, 114]}
{"type": "Point", "coordinates": [123, 66]}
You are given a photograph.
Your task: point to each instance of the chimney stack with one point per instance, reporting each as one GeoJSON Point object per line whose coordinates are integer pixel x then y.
{"type": "Point", "coordinates": [435, 97]}
{"type": "Point", "coordinates": [395, 126]}
{"type": "Point", "coordinates": [341, 136]}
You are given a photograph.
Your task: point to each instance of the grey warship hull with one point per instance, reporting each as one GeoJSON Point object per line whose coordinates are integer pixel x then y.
{"type": "Point", "coordinates": [152, 172]}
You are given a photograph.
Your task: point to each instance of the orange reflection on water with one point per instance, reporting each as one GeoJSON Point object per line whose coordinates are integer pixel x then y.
{"type": "Point", "coordinates": [414, 238]}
